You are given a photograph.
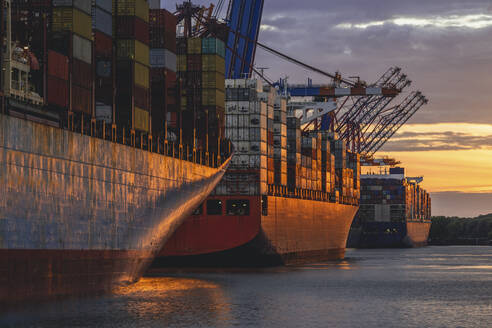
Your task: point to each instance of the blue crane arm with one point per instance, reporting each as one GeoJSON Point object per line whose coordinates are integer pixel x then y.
{"type": "Point", "coordinates": [244, 19]}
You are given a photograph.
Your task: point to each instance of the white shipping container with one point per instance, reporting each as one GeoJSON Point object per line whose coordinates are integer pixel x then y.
{"type": "Point", "coordinates": [257, 134]}
{"type": "Point", "coordinates": [257, 161]}
{"type": "Point", "coordinates": [242, 146]}
{"type": "Point", "coordinates": [280, 129]}
{"type": "Point", "coordinates": [163, 58]}
{"type": "Point", "coordinates": [243, 134]}
{"type": "Point", "coordinates": [257, 147]}
{"type": "Point", "coordinates": [258, 120]}
{"type": "Point", "coordinates": [231, 121]}
{"type": "Point", "coordinates": [102, 21]}
{"type": "Point", "coordinates": [82, 49]}
{"type": "Point", "coordinates": [280, 153]}
{"type": "Point", "coordinates": [280, 141]}
{"type": "Point", "coordinates": [231, 107]}
{"type": "Point", "coordinates": [243, 121]}
{"type": "Point", "coordinates": [104, 113]}
{"type": "Point", "coordinates": [230, 83]}
{"type": "Point", "coordinates": [83, 5]}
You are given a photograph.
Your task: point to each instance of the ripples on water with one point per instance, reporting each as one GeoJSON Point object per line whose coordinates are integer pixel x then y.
{"type": "Point", "coordinates": [426, 287]}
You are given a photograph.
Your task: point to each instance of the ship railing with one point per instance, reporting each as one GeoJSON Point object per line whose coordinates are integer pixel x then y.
{"type": "Point", "coordinates": [308, 194]}
{"type": "Point", "coordinates": [85, 125]}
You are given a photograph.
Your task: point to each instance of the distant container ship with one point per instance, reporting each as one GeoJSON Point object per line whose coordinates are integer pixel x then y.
{"type": "Point", "coordinates": [287, 197]}
{"type": "Point", "coordinates": [96, 170]}
{"type": "Point", "coordinates": [394, 212]}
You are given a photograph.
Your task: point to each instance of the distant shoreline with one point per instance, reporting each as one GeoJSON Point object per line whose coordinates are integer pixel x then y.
{"type": "Point", "coordinates": [455, 231]}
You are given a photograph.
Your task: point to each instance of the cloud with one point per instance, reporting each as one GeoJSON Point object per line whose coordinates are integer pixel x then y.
{"type": "Point", "coordinates": [453, 21]}
{"type": "Point", "coordinates": [437, 141]}
{"type": "Point", "coordinates": [449, 64]}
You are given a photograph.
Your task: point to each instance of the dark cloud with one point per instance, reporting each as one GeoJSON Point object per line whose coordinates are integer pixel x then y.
{"type": "Point", "coordinates": [452, 66]}
{"type": "Point", "coordinates": [436, 141]}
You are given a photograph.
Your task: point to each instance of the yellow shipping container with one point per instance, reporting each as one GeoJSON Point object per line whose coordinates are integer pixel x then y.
{"type": "Point", "coordinates": [213, 80]}
{"type": "Point", "coordinates": [71, 19]}
{"type": "Point", "coordinates": [139, 8]}
{"type": "Point", "coordinates": [181, 63]}
{"type": "Point", "coordinates": [195, 46]}
{"type": "Point", "coordinates": [142, 119]}
{"type": "Point", "coordinates": [213, 97]}
{"type": "Point", "coordinates": [213, 63]}
{"type": "Point", "coordinates": [142, 75]}
{"type": "Point", "coordinates": [134, 50]}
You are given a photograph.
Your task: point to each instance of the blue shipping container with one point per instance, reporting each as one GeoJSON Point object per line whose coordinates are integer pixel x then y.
{"type": "Point", "coordinates": [105, 4]}
{"type": "Point", "coordinates": [102, 21]}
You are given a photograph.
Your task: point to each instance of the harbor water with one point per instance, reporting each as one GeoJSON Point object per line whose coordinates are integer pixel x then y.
{"type": "Point", "coordinates": [422, 287]}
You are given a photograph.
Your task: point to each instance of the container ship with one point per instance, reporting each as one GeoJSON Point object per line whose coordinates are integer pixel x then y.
{"type": "Point", "coordinates": [394, 212]}
{"type": "Point", "coordinates": [287, 197]}
{"type": "Point", "coordinates": [97, 166]}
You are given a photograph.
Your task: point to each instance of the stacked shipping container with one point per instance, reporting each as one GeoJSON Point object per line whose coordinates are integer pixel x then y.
{"type": "Point", "coordinates": [162, 68]}
{"type": "Point", "coordinates": [71, 37]}
{"type": "Point", "coordinates": [392, 198]}
{"type": "Point", "coordinates": [294, 159]}
{"type": "Point", "coordinates": [246, 127]}
{"type": "Point", "coordinates": [102, 25]}
{"type": "Point", "coordinates": [271, 153]}
{"type": "Point", "coordinates": [280, 141]}
{"type": "Point", "coordinates": [131, 29]}
{"type": "Point", "coordinates": [201, 66]}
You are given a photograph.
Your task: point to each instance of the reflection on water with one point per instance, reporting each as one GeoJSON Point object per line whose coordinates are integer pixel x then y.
{"type": "Point", "coordinates": [427, 287]}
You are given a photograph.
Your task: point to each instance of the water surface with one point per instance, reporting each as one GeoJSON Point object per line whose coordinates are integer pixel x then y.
{"type": "Point", "coordinates": [425, 287]}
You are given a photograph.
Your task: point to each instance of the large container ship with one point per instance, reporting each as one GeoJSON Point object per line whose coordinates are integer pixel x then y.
{"type": "Point", "coordinates": [394, 212]}
{"type": "Point", "coordinates": [94, 172]}
{"type": "Point", "coordinates": [288, 196]}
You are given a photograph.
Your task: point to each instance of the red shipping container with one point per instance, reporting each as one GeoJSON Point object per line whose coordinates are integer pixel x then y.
{"type": "Point", "coordinates": [57, 65]}
{"type": "Point", "coordinates": [103, 45]}
{"type": "Point", "coordinates": [132, 27]}
{"type": "Point", "coordinates": [57, 92]}
{"type": "Point", "coordinates": [81, 74]}
{"type": "Point", "coordinates": [160, 38]}
{"type": "Point", "coordinates": [141, 97]}
{"type": "Point", "coordinates": [193, 63]}
{"type": "Point", "coordinates": [161, 74]}
{"type": "Point", "coordinates": [81, 100]}
{"type": "Point", "coordinates": [162, 17]}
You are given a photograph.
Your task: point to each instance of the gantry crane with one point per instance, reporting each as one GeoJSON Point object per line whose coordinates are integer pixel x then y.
{"type": "Point", "coordinates": [366, 123]}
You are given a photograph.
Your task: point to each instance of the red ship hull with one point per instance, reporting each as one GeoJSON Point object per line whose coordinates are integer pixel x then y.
{"type": "Point", "coordinates": [278, 230]}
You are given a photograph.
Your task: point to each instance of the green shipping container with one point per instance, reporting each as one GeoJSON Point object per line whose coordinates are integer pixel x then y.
{"type": "Point", "coordinates": [194, 46]}
{"type": "Point", "coordinates": [133, 50]}
{"type": "Point", "coordinates": [213, 63]}
{"type": "Point", "coordinates": [213, 46]}
{"type": "Point", "coordinates": [71, 19]}
{"type": "Point", "coordinates": [213, 80]}
{"type": "Point", "coordinates": [213, 97]}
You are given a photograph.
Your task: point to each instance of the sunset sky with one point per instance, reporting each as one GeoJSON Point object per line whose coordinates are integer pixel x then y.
{"type": "Point", "coordinates": [444, 46]}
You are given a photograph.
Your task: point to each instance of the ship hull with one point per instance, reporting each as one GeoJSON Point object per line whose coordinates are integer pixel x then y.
{"type": "Point", "coordinates": [392, 234]}
{"type": "Point", "coordinates": [80, 214]}
{"type": "Point", "coordinates": [289, 231]}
